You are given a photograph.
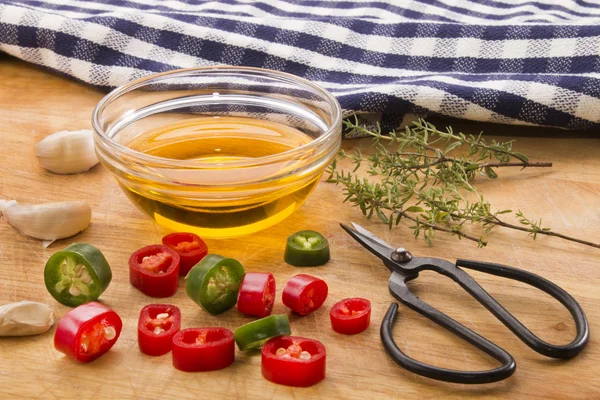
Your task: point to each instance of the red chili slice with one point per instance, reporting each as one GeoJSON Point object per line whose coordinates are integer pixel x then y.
{"type": "Point", "coordinates": [87, 332]}
{"type": "Point", "coordinates": [304, 293]}
{"type": "Point", "coordinates": [189, 246]}
{"type": "Point", "coordinates": [154, 270]}
{"type": "Point", "coordinates": [203, 349]}
{"type": "Point", "coordinates": [293, 361]}
{"type": "Point", "coordinates": [351, 316]}
{"type": "Point", "coordinates": [257, 294]}
{"type": "Point", "coordinates": [157, 325]}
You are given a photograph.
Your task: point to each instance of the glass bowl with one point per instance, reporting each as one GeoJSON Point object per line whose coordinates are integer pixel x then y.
{"type": "Point", "coordinates": [218, 151]}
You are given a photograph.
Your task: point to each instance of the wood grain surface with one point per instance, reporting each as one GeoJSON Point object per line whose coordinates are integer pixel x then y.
{"type": "Point", "coordinates": [35, 103]}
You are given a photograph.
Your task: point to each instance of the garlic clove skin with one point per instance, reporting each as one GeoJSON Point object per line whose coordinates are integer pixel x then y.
{"type": "Point", "coordinates": [67, 152]}
{"type": "Point", "coordinates": [25, 318]}
{"type": "Point", "coordinates": [4, 204]}
{"type": "Point", "coordinates": [48, 221]}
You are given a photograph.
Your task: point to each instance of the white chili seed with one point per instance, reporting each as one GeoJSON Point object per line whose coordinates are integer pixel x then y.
{"type": "Point", "coordinates": [158, 330]}
{"type": "Point", "coordinates": [305, 355]}
{"type": "Point", "coordinates": [85, 277]}
{"type": "Point", "coordinates": [84, 347]}
{"type": "Point", "coordinates": [110, 333]}
{"type": "Point", "coordinates": [280, 351]}
{"type": "Point", "coordinates": [163, 315]}
{"type": "Point", "coordinates": [300, 240]}
{"type": "Point", "coordinates": [78, 269]}
{"type": "Point", "coordinates": [313, 240]}
{"type": "Point", "coordinates": [74, 291]}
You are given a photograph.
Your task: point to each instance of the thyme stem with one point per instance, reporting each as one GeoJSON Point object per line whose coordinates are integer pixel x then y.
{"type": "Point", "coordinates": [438, 228]}
{"type": "Point", "coordinates": [548, 233]}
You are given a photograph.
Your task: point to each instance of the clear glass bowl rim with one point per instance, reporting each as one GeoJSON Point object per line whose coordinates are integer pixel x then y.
{"type": "Point", "coordinates": [316, 144]}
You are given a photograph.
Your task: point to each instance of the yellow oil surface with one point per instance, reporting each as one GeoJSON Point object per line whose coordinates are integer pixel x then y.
{"type": "Point", "coordinates": [217, 140]}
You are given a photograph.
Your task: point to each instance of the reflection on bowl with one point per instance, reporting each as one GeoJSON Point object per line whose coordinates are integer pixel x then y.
{"type": "Point", "coordinates": [218, 151]}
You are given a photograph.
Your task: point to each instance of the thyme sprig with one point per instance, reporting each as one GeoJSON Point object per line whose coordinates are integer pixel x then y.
{"type": "Point", "coordinates": [417, 175]}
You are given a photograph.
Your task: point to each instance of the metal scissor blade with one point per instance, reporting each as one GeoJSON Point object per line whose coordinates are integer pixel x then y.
{"type": "Point", "coordinates": [369, 241]}
{"type": "Point", "coordinates": [370, 235]}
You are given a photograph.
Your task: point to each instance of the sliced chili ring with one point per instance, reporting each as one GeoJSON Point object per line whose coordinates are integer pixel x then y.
{"type": "Point", "coordinates": [77, 275]}
{"type": "Point", "coordinates": [214, 282]}
{"type": "Point", "coordinates": [293, 361]}
{"type": "Point", "coordinates": [154, 270]}
{"type": "Point", "coordinates": [87, 332]}
{"type": "Point", "coordinates": [157, 325]}
{"type": "Point", "coordinates": [254, 334]}
{"type": "Point", "coordinates": [190, 247]}
{"type": "Point", "coordinates": [257, 294]}
{"type": "Point", "coordinates": [351, 316]}
{"type": "Point", "coordinates": [203, 349]}
{"type": "Point", "coordinates": [304, 293]}
{"type": "Point", "coordinates": [306, 249]}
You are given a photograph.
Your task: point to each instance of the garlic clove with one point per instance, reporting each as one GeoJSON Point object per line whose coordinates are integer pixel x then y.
{"type": "Point", "coordinates": [67, 152]}
{"type": "Point", "coordinates": [25, 318]}
{"type": "Point", "coordinates": [48, 221]}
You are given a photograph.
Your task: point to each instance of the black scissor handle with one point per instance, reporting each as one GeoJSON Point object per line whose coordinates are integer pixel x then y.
{"type": "Point", "coordinates": [555, 351]}
{"type": "Point", "coordinates": [400, 291]}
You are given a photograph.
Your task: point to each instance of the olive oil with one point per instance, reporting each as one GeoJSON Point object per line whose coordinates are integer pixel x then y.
{"type": "Point", "coordinates": [215, 199]}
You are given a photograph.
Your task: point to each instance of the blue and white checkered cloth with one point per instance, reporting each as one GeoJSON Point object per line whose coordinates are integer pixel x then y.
{"type": "Point", "coordinates": [528, 62]}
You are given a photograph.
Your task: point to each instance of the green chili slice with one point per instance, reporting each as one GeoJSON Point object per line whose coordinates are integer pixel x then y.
{"type": "Point", "coordinates": [214, 282]}
{"type": "Point", "coordinates": [306, 249]}
{"type": "Point", "coordinates": [253, 335]}
{"type": "Point", "coordinates": [77, 275]}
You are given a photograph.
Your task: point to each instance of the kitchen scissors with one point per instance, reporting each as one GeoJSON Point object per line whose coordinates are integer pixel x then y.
{"type": "Point", "coordinates": [405, 267]}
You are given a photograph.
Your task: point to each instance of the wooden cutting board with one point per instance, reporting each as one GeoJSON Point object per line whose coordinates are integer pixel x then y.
{"type": "Point", "coordinates": [35, 103]}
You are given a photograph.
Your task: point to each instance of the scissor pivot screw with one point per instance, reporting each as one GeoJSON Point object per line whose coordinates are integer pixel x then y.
{"type": "Point", "coordinates": [401, 255]}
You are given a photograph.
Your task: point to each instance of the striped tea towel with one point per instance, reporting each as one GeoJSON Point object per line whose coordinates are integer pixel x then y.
{"type": "Point", "coordinates": [528, 62]}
